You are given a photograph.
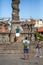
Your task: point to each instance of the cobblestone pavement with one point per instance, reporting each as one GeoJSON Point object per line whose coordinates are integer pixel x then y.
{"type": "Point", "coordinates": [17, 59]}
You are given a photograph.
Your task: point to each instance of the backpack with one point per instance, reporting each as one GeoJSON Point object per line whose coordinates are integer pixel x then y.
{"type": "Point", "coordinates": [25, 45]}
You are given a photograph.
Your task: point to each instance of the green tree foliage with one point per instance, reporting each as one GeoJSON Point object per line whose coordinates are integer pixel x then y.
{"type": "Point", "coordinates": [37, 35]}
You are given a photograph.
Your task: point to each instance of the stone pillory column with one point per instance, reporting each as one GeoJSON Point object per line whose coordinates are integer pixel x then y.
{"type": "Point", "coordinates": [15, 18]}
{"type": "Point", "coordinates": [15, 9]}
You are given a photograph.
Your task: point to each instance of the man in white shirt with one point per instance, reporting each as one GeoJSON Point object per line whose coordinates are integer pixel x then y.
{"type": "Point", "coordinates": [26, 43]}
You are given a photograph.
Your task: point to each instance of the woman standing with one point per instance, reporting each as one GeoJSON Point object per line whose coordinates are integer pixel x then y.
{"type": "Point", "coordinates": [38, 49]}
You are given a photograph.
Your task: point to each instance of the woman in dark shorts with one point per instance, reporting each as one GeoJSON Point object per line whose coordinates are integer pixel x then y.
{"type": "Point", "coordinates": [26, 48]}
{"type": "Point", "coordinates": [38, 49]}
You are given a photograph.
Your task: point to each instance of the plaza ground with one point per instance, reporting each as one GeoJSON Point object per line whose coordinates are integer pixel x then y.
{"type": "Point", "coordinates": [17, 59]}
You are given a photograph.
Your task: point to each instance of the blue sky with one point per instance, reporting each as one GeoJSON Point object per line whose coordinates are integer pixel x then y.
{"type": "Point", "coordinates": [5, 8]}
{"type": "Point", "coordinates": [33, 8]}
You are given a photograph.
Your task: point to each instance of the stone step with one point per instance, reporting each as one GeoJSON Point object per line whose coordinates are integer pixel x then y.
{"type": "Point", "coordinates": [11, 48]}
{"type": "Point", "coordinates": [16, 47]}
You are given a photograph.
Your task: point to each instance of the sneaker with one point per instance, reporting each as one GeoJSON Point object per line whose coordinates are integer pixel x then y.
{"type": "Point", "coordinates": [40, 56]}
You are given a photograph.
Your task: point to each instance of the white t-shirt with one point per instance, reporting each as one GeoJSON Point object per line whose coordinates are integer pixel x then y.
{"type": "Point", "coordinates": [28, 42]}
{"type": "Point", "coordinates": [17, 34]}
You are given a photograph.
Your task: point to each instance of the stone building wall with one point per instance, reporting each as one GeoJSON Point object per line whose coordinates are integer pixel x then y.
{"type": "Point", "coordinates": [4, 38]}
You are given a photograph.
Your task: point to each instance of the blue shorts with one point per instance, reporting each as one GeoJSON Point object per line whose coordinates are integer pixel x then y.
{"type": "Point", "coordinates": [26, 50]}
